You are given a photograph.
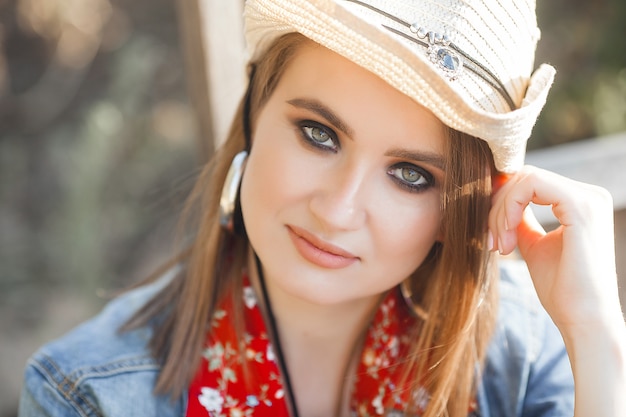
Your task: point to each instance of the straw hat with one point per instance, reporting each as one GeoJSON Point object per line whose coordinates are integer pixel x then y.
{"type": "Point", "coordinates": [470, 62]}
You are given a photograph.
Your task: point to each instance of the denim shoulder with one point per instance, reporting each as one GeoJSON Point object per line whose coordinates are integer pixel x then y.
{"type": "Point", "coordinates": [96, 370]}
{"type": "Point", "coordinates": [527, 371]}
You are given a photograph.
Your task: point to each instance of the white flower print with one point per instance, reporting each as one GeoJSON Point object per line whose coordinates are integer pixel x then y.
{"type": "Point", "coordinates": [393, 347]}
{"type": "Point", "coordinates": [249, 297]}
{"type": "Point", "coordinates": [377, 403]}
{"type": "Point", "coordinates": [421, 398]}
{"type": "Point", "coordinates": [236, 412]}
{"type": "Point", "coordinates": [252, 401]}
{"type": "Point", "coordinates": [229, 375]}
{"type": "Point", "coordinates": [218, 355]}
{"type": "Point", "coordinates": [270, 353]}
{"type": "Point", "coordinates": [253, 355]}
{"type": "Point", "coordinates": [218, 315]}
{"type": "Point", "coordinates": [211, 399]}
{"type": "Point", "coordinates": [214, 355]}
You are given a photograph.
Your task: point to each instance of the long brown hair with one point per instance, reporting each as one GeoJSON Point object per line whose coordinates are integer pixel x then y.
{"type": "Point", "coordinates": [455, 284]}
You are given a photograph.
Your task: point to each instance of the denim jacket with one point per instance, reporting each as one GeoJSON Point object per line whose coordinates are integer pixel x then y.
{"type": "Point", "coordinates": [96, 371]}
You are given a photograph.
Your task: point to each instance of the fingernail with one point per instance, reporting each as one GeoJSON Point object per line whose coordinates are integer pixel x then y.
{"type": "Point", "coordinates": [500, 246]}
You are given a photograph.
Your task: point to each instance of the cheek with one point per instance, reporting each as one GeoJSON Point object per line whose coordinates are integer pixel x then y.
{"type": "Point", "coordinates": [407, 235]}
{"type": "Point", "coordinates": [255, 192]}
{"type": "Point", "coordinates": [271, 181]}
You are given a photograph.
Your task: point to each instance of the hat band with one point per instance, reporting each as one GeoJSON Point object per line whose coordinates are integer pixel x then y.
{"type": "Point", "coordinates": [451, 60]}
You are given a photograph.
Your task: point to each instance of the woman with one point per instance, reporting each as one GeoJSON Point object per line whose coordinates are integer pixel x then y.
{"type": "Point", "coordinates": [342, 260]}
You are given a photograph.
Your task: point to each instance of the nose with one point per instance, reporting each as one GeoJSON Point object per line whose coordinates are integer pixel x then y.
{"type": "Point", "coordinates": [340, 202]}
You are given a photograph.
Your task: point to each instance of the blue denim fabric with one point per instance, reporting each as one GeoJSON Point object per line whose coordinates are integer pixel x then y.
{"type": "Point", "coordinates": [527, 372]}
{"type": "Point", "coordinates": [96, 371]}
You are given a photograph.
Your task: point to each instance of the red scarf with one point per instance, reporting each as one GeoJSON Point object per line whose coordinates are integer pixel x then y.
{"type": "Point", "coordinates": [221, 388]}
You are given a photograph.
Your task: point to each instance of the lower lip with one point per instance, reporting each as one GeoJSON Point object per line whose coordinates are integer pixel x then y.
{"type": "Point", "coordinates": [318, 256]}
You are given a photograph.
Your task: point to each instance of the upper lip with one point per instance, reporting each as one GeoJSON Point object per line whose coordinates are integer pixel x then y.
{"type": "Point", "coordinates": [320, 243]}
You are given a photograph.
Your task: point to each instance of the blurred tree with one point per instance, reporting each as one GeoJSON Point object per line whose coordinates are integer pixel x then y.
{"type": "Point", "coordinates": [97, 150]}
{"type": "Point", "coordinates": [586, 42]}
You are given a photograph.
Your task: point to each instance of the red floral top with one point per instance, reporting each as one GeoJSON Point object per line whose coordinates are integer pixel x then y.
{"type": "Point", "coordinates": [221, 388]}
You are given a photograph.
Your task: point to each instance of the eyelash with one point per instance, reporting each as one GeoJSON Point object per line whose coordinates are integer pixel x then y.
{"type": "Point", "coordinates": [411, 187]}
{"type": "Point", "coordinates": [304, 125]}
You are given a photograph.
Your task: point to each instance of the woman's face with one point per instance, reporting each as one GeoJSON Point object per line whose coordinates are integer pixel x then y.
{"type": "Point", "coordinates": [341, 192]}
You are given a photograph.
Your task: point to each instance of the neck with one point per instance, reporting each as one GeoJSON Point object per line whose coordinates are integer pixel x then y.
{"type": "Point", "coordinates": [319, 343]}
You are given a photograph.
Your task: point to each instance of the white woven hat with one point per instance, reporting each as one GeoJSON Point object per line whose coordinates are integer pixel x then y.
{"type": "Point", "coordinates": [469, 61]}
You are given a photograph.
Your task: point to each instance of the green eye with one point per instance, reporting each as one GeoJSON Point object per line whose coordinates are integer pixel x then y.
{"type": "Point", "coordinates": [319, 136]}
{"type": "Point", "coordinates": [411, 177]}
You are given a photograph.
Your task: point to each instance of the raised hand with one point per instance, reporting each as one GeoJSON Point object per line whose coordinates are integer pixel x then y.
{"type": "Point", "coordinates": [573, 270]}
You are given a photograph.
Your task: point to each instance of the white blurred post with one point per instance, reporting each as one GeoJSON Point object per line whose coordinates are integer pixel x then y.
{"type": "Point", "coordinates": [212, 40]}
{"type": "Point", "coordinates": [222, 24]}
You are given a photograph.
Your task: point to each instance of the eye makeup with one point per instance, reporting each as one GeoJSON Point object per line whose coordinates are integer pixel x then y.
{"type": "Point", "coordinates": [317, 135]}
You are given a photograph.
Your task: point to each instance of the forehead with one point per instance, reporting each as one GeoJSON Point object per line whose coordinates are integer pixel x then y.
{"type": "Point", "coordinates": [357, 95]}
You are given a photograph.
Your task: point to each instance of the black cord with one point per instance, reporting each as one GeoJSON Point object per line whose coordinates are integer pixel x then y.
{"type": "Point", "coordinates": [277, 346]}
{"type": "Point", "coordinates": [247, 128]}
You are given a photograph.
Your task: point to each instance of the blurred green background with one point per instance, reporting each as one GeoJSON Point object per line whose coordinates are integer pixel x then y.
{"type": "Point", "coordinates": [99, 145]}
{"type": "Point", "coordinates": [586, 42]}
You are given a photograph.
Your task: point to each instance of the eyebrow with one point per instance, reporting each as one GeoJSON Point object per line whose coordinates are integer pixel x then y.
{"type": "Point", "coordinates": [323, 111]}
{"type": "Point", "coordinates": [317, 107]}
{"type": "Point", "coordinates": [432, 158]}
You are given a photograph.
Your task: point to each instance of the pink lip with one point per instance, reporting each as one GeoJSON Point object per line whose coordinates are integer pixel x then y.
{"type": "Point", "coordinates": [319, 252]}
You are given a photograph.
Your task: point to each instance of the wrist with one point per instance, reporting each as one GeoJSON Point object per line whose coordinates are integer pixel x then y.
{"type": "Point", "coordinates": [606, 331]}
{"type": "Point", "coordinates": [598, 357]}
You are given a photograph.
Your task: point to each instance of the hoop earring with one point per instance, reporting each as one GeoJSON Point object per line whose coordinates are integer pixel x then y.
{"type": "Point", "coordinates": [407, 294]}
{"type": "Point", "coordinates": [230, 191]}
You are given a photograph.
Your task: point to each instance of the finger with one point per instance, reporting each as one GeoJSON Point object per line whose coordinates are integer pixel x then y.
{"type": "Point", "coordinates": [572, 202]}
{"type": "Point", "coordinates": [496, 220]}
{"type": "Point", "coordinates": [509, 204]}
{"type": "Point", "coordinates": [532, 185]}
{"type": "Point", "coordinates": [529, 232]}
{"type": "Point", "coordinates": [504, 235]}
